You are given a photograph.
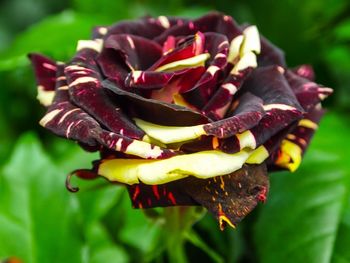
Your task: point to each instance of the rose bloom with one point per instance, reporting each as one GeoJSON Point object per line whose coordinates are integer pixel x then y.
{"type": "Point", "coordinates": [183, 112]}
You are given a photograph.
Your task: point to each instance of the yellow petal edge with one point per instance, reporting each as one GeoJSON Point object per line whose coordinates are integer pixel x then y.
{"type": "Point", "coordinates": [204, 165]}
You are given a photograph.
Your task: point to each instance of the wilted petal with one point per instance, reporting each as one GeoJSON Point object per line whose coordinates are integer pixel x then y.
{"type": "Point", "coordinates": [229, 198]}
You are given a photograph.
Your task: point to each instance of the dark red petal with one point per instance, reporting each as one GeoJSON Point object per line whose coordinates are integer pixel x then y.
{"type": "Point", "coordinates": [270, 54]}
{"type": "Point", "coordinates": [155, 111]}
{"type": "Point", "coordinates": [247, 115]}
{"type": "Point", "coordinates": [303, 132]}
{"type": "Point", "coordinates": [45, 71]}
{"type": "Point", "coordinates": [229, 198]}
{"type": "Point", "coordinates": [305, 71]}
{"type": "Point", "coordinates": [148, 27]}
{"type": "Point", "coordinates": [144, 27]}
{"type": "Point", "coordinates": [270, 84]}
{"type": "Point", "coordinates": [189, 47]}
{"type": "Point", "coordinates": [218, 105]}
{"type": "Point", "coordinates": [182, 81]}
{"type": "Point", "coordinates": [67, 120]}
{"type": "Point", "coordinates": [148, 80]}
{"type": "Point", "coordinates": [212, 22]}
{"type": "Point", "coordinates": [113, 66]}
{"type": "Point", "coordinates": [217, 46]}
{"type": "Point", "coordinates": [139, 53]}
{"type": "Point", "coordinates": [84, 81]}
{"type": "Point", "coordinates": [280, 104]}
{"type": "Point", "coordinates": [299, 136]}
{"type": "Point", "coordinates": [308, 93]}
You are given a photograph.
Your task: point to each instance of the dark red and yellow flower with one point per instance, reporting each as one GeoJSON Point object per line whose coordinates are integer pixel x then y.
{"type": "Point", "coordinates": [183, 112]}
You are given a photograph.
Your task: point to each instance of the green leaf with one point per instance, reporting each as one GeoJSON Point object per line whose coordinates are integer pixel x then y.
{"type": "Point", "coordinates": [301, 219]}
{"type": "Point", "coordinates": [103, 248]}
{"type": "Point", "coordinates": [47, 37]}
{"type": "Point", "coordinates": [38, 220]}
{"type": "Point", "coordinates": [41, 221]}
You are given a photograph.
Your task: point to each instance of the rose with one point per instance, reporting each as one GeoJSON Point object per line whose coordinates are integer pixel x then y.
{"type": "Point", "coordinates": [183, 112]}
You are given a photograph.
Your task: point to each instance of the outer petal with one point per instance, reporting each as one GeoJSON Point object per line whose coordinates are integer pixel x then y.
{"type": "Point", "coordinates": [280, 104]}
{"type": "Point", "coordinates": [84, 81]}
{"type": "Point", "coordinates": [67, 120]}
{"type": "Point", "coordinates": [309, 93]}
{"type": "Point", "coordinates": [212, 22]}
{"type": "Point", "coordinates": [229, 198]}
{"type": "Point", "coordinates": [289, 154]}
{"type": "Point", "coordinates": [45, 72]}
{"type": "Point", "coordinates": [305, 71]}
{"type": "Point", "coordinates": [270, 54]}
{"type": "Point", "coordinates": [148, 27]}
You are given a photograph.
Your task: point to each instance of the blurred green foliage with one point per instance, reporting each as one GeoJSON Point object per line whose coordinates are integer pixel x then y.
{"type": "Point", "coordinates": [307, 218]}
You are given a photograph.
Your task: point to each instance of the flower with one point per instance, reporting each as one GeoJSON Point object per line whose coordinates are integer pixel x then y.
{"type": "Point", "coordinates": [183, 112]}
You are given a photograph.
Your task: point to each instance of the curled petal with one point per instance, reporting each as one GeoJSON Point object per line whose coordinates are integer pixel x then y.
{"type": "Point", "coordinates": [81, 173]}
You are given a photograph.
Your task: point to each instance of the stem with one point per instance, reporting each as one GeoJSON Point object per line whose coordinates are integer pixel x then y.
{"type": "Point", "coordinates": [174, 235]}
{"type": "Point", "coordinates": [179, 220]}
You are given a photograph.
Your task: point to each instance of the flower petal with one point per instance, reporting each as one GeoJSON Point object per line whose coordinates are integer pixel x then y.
{"type": "Point", "coordinates": [294, 145]}
{"type": "Point", "coordinates": [212, 22]}
{"type": "Point", "coordinates": [139, 53]}
{"type": "Point", "coordinates": [270, 54]}
{"type": "Point", "coordinates": [305, 71]}
{"type": "Point", "coordinates": [309, 93]}
{"type": "Point", "coordinates": [247, 115]}
{"type": "Point", "coordinates": [200, 165]}
{"type": "Point", "coordinates": [200, 93]}
{"type": "Point", "coordinates": [67, 120]}
{"type": "Point", "coordinates": [157, 111]}
{"type": "Point", "coordinates": [229, 198]}
{"type": "Point", "coordinates": [45, 72]}
{"type": "Point", "coordinates": [84, 81]}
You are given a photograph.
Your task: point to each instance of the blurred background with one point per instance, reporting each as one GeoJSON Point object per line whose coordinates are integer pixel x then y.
{"type": "Point", "coordinates": [307, 216]}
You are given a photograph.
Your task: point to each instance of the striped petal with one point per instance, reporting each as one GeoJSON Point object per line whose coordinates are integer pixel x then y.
{"type": "Point", "coordinates": [45, 72]}
{"type": "Point", "coordinates": [84, 82]}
